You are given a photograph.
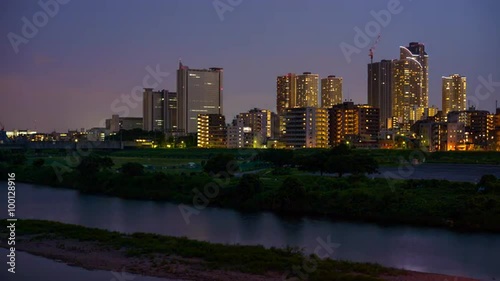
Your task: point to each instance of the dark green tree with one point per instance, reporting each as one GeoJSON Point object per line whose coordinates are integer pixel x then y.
{"type": "Point", "coordinates": [222, 162]}
{"type": "Point", "coordinates": [92, 164]}
{"type": "Point", "coordinates": [249, 185]}
{"type": "Point", "coordinates": [278, 157]}
{"type": "Point", "coordinates": [291, 194]}
{"type": "Point", "coordinates": [38, 162]}
{"type": "Point", "coordinates": [132, 169]}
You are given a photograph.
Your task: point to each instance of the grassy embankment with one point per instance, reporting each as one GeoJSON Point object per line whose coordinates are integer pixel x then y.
{"type": "Point", "coordinates": [459, 206]}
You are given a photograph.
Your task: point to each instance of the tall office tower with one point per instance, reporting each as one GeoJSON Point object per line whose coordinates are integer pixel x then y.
{"type": "Point", "coordinates": [153, 110]}
{"type": "Point", "coordinates": [380, 89]}
{"type": "Point", "coordinates": [212, 131]}
{"type": "Point", "coordinates": [331, 91]}
{"type": "Point", "coordinates": [171, 113]}
{"type": "Point", "coordinates": [354, 123]}
{"type": "Point", "coordinates": [454, 93]}
{"type": "Point", "coordinates": [409, 84]}
{"type": "Point", "coordinates": [306, 127]}
{"type": "Point", "coordinates": [199, 91]}
{"type": "Point", "coordinates": [285, 92]}
{"type": "Point", "coordinates": [307, 90]}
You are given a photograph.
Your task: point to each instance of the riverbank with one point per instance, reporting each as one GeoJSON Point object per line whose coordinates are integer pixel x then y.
{"type": "Point", "coordinates": [180, 258]}
{"type": "Point", "coordinates": [393, 199]}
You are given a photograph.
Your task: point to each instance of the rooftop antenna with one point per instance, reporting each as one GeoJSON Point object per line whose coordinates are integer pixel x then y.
{"type": "Point", "coordinates": [372, 49]}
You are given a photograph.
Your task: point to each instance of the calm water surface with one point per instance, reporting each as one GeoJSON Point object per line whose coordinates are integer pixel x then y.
{"type": "Point", "coordinates": [420, 249]}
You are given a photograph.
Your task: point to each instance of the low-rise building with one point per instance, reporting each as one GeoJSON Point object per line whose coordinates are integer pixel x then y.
{"type": "Point", "coordinates": [305, 127]}
{"type": "Point", "coordinates": [349, 122]}
{"type": "Point", "coordinates": [212, 131]}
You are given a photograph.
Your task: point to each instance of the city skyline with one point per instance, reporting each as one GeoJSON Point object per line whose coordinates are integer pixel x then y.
{"type": "Point", "coordinates": [81, 82]}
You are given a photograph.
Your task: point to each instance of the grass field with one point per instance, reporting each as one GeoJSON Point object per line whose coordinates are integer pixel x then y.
{"type": "Point", "coordinates": [167, 160]}
{"type": "Point", "coordinates": [177, 160]}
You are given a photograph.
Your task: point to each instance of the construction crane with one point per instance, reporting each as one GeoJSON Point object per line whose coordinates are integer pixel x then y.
{"type": "Point", "coordinates": [372, 49]}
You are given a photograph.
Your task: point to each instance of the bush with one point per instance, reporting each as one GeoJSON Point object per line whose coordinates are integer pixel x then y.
{"type": "Point", "coordinates": [132, 169]}
{"type": "Point", "coordinates": [38, 163]}
{"type": "Point", "coordinates": [249, 186]}
{"type": "Point", "coordinates": [221, 163]}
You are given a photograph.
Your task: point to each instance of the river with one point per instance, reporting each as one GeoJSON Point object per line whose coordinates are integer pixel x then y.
{"type": "Point", "coordinates": [413, 248]}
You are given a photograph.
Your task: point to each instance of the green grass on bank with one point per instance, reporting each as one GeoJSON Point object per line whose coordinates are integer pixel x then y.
{"type": "Point", "coordinates": [249, 259]}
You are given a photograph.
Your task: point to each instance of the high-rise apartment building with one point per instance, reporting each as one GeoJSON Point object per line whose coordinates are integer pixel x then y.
{"type": "Point", "coordinates": [305, 127]}
{"type": "Point", "coordinates": [285, 92]}
{"type": "Point", "coordinates": [454, 93]}
{"type": "Point", "coordinates": [199, 91]}
{"type": "Point", "coordinates": [331, 91]}
{"type": "Point", "coordinates": [416, 50]}
{"type": "Point", "coordinates": [212, 131]}
{"type": "Point", "coordinates": [307, 90]}
{"type": "Point", "coordinates": [380, 89]}
{"type": "Point", "coordinates": [410, 84]}
{"type": "Point", "coordinates": [350, 122]}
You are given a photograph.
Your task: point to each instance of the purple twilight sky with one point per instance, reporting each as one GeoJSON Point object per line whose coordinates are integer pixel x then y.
{"type": "Point", "coordinates": [88, 54]}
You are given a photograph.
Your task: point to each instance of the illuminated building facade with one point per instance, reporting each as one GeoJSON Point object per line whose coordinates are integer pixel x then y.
{"type": "Point", "coordinates": [307, 90]}
{"type": "Point", "coordinates": [239, 135]}
{"type": "Point", "coordinates": [456, 139]}
{"type": "Point", "coordinates": [454, 93]}
{"type": "Point", "coordinates": [353, 123]}
{"type": "Point", "coordinates": [496, 130]}
{"type": "Point", "coordinates": [477, 123]}
{"type": "Point", "coordinates": [199, 91]}
{"type": "Point", "coordinates": [153, 110]}
{"type": "Point", "coordinates": [212, 131]}
{"type": "Point", "coordinates": [410, 84]}
{"type": "Point", "coordinates": [331, 91]}
{"type": "Point", "coordinates": [305, 127]}
{"type": "Point", "coordinates": [285, 92]}
{"type": "Point", "coordinates": [262, 122]}
{"type": "Point", "coordinates": [380, 89]}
